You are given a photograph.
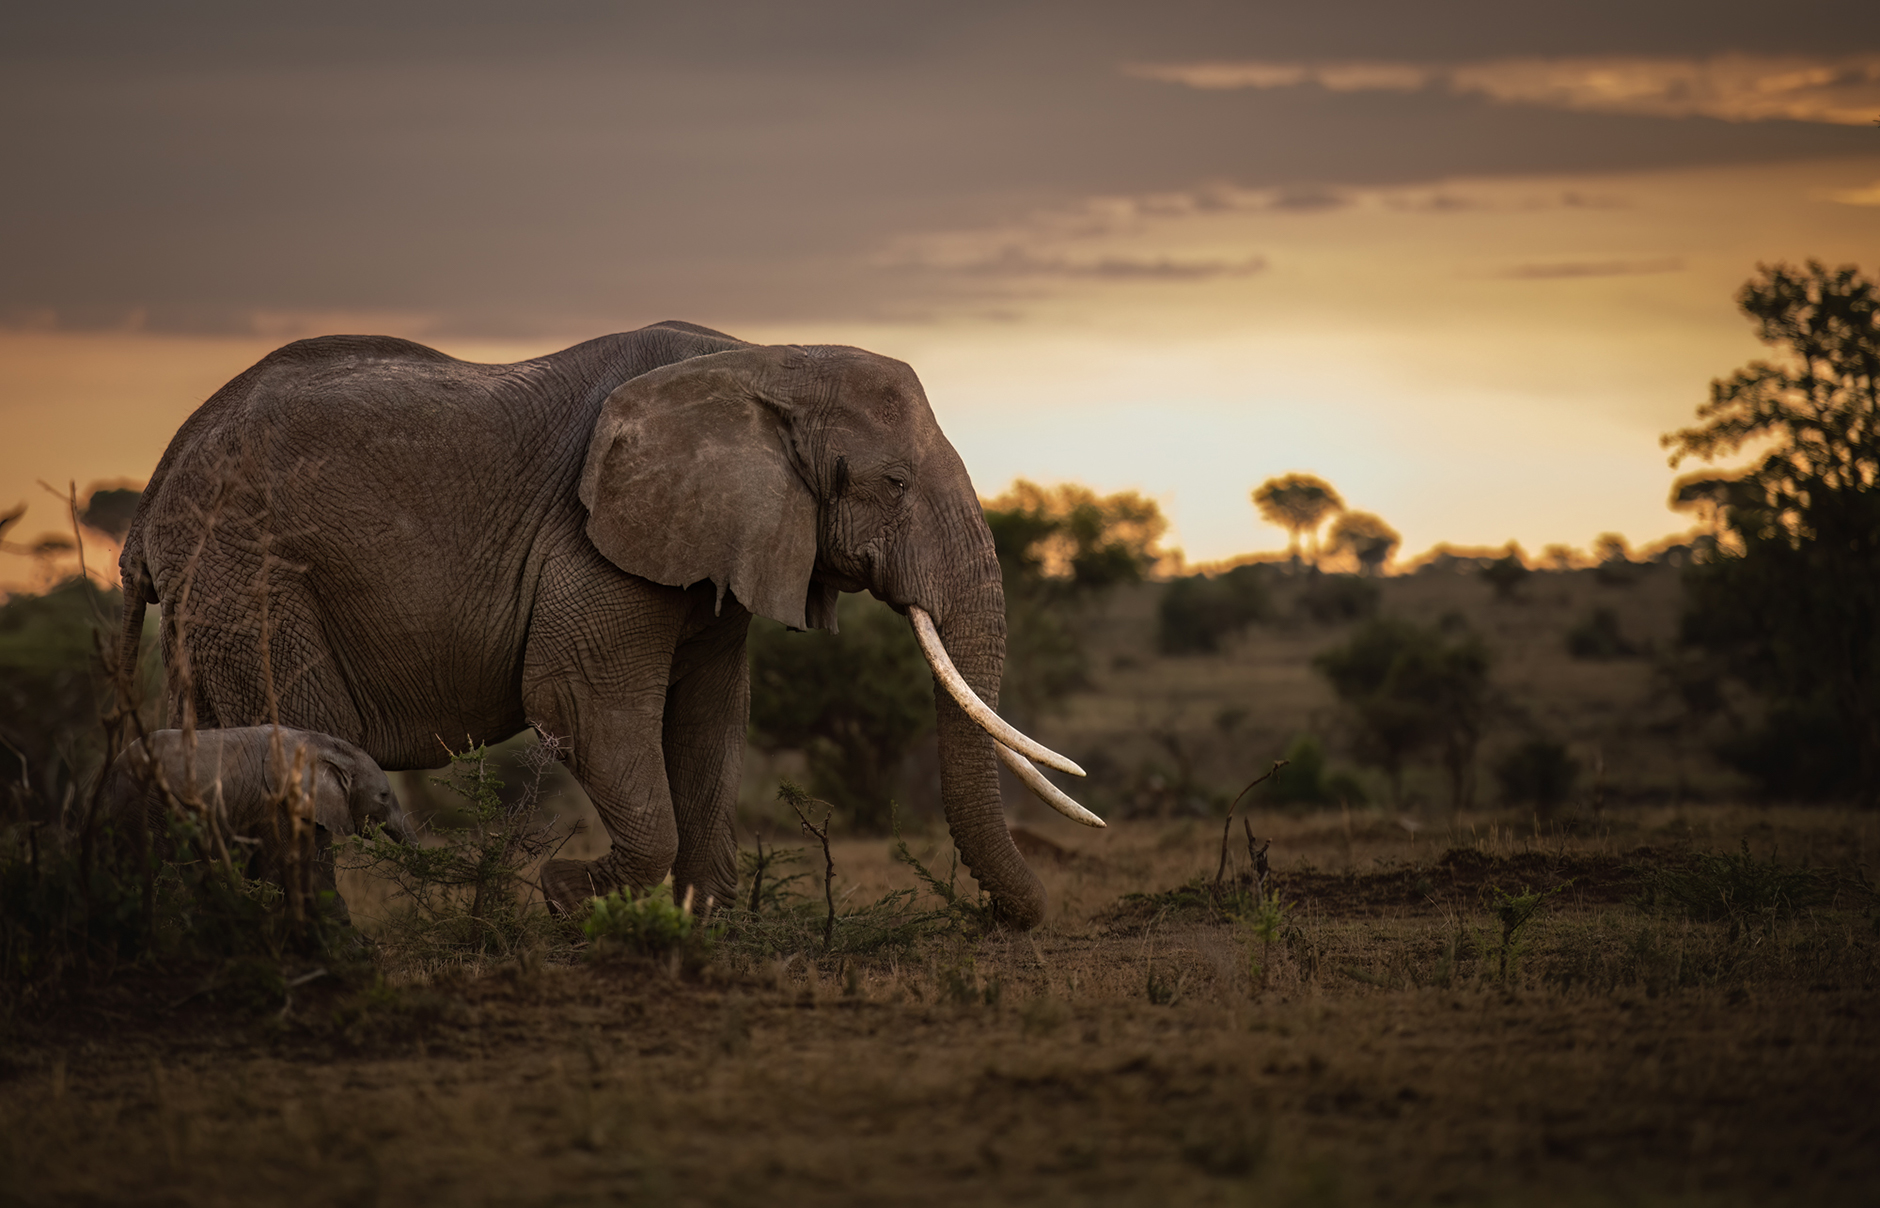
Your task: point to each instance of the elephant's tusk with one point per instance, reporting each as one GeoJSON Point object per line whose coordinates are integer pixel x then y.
{"type": "Point", "coordinates": [962, 692]}
{"type": "Point", "coordinates": [1044, 790]}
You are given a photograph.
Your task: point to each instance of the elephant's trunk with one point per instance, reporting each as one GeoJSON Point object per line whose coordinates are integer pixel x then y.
{"type": "Point", "coordinates": [973, 633]}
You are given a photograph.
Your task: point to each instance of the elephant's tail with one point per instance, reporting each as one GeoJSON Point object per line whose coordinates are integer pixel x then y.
{"type": "Point", "coordinates": [138, 592]}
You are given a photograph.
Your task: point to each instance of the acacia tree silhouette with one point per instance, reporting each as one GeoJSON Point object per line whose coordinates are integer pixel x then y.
{"type": "Point", "coordinates": [1298, 503]}
{"type": "Point", "coordinates": [1786, 588]}
{"type": "Point", "coordinates": [1368, 538]}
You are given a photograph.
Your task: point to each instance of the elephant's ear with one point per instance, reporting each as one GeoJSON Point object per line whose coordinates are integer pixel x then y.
{"type": "Point", "coordinates": [691, 474]}
{"type": "Point", "coordinates": [332, 794]}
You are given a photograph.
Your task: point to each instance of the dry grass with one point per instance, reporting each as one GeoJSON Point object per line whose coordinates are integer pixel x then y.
{"type": "Point", "coordinates": [1120, 1055]}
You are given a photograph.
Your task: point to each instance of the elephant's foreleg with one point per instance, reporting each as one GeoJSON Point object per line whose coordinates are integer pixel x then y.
{"type": "Point", "coordinates": [707, 707]}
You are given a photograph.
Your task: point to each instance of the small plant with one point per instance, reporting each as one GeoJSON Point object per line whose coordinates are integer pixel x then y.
{"type": "Point", "coordinates": [972, 916]}
{"type": "Point", "coordinates": [1265, 923]}
{"type": "Point", "coordinates": [1736, 888]}
{"type": "Point", "coordinates": [961, 985]}
{"type": "Point", "coordinates": [469, 891]}
{"type": "Point", "coordinates": [649, 925]}
{"type": "Point", "coordinates": [1514, 911]}
{"type": "Point", "coordinates": [1161, 993]}
{"type": "Point", "coordinates": [772, 917]}
{"type": "Point", "coordinates": [768, 891]}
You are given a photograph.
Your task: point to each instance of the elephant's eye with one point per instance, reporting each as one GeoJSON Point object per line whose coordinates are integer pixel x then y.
{"type": "Point", "coordinates": [898, 483]}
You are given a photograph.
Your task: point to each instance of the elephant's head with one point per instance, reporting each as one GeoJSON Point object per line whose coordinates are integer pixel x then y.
{"type": "Point", "coordinates": [785, 475]}
{"type": "Point", "coordinates": [351, 792]}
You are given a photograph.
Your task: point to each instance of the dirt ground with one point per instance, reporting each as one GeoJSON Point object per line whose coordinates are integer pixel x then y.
{"type": "Point", "coordinates": [1137, 1049]}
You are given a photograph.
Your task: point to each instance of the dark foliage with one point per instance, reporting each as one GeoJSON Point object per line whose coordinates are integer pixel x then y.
{"type": "Point", "coordinates": [1539, 772]}
{"type": "Point", "coordinates": [1737, 888]}
{"type": "Point", "coordinates": [1785, 591]}
{"type": "Point", "coordinates": [1599, 637]}
{"type": "Point", "coordinates": [109, 510]}
{"type": "Point", "coordinates": [51, 691]}
{"type": "Point", "coordinates": [1306, 779]}
{"type": "Point", "coordinates": [1061, 551]}
{"type": "Point", "coordinates": [1409, 689]}
{"type": "Point", "coordinates": [1338, 599]}
{"type": "Point", "coordinates": [1506, 574]}
{"type": "Point", "coordinates": [854, 703]}
{"type": "Point", "coordinates": [1199, 612]}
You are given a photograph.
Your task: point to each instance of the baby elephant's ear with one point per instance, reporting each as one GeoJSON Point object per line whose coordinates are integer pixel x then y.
{"type": "Point", "coordinates": [692, 474]}
{"type": "Point", "coordinates": [331, 799]}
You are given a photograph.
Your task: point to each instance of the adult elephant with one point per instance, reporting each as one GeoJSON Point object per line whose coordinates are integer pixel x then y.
{"type": "Point", "coordinates": [365, 537]}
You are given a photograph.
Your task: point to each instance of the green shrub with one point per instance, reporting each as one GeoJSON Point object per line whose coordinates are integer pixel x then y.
{"type": "Point", "coordinates": [1198, 612]}
{"type": "Point", "coordinates": [1599, 637]}
{"type": "Point", "coordinates": [1539, 772]}
{"type": "Point", "coordinates": [650, 925]}
{"type": "Point", "coordinates": [470, 888]}
{"type": "Point", "coordinates": [1305, 779]}
{"type": "Point", "coordinates": [1736, 888]}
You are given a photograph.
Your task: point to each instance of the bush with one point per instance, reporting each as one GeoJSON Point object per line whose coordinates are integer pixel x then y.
{"type": "Point", "coordinates": [1198, 612]}
{"type": "Point", "coordinates": [1408, 689]}
{"type": "Point", "coordinates": [1538, 772]}
{"type": "Point", "coordinates": [1506, 574]}
{"type": "Point", "coordinates": [470, 890]}
{"type": "Point", "coordinates": [1303, 781]}
{"type": "Point", "coordinates": [652, 925]}
{"type": "Point", "coordinates": [1337, 599]}
{"type": "Point", "coordinates": [853, 703]}
{"type": "Point", "coordinates": [1599, 637]}
{"type": "Point", "coordinates": [1736, 889]}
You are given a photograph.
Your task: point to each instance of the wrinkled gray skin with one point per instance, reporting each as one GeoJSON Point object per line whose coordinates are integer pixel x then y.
{"type": "Point", "coordinates": [456, 551]}
{"type": "Point", "coordinates": [238, 774]}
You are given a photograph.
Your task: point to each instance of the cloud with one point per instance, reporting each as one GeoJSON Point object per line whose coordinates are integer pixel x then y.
{"type": "Point", "coordinates": [1841, 91]}
{"type": "Point", "coordinates": [1016, 263]}
{"type": "Point", "coordinates": [1592, 268]}
{"type": "Point", "coordinates": [1869, 196]}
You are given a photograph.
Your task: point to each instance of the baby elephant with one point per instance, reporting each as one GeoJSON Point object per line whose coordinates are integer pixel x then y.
{"type": "Point", "coordinates": [236, 775]}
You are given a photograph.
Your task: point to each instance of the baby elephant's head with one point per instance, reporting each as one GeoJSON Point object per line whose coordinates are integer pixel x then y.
{"type": "Point", "coordinates": [367, 793]}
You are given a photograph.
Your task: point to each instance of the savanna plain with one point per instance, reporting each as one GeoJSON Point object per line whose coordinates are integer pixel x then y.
{"type": "Point", "coordinates": [1653, 992]}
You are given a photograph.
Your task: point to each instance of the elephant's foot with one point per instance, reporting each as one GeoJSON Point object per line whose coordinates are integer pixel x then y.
{"type": "Point", "coordinates": [567, 885]}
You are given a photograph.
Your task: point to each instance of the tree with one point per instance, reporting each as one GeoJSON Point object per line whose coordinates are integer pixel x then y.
{"type": "Point", "coordinates": [1506, 573]}
{"type": "Point", "coordinates": [108, 510]}
{"type": "Point", "coordinates": [1198, 612]}
{"type": "Point", "coordinates": [1410, 689]}
{"type": "Point", "coordinates": [854, 703]}
{"type": "Point", "coordinates": [1061, 550]}
{"type": "Point", "coordinates": [51, 692]}
{"type": "Point", "coordinates": [1368, 539]}
{"type": "Point", "coordinates": [1786, 588]}
{"type": "Point", "coordinates": [1298, 503]}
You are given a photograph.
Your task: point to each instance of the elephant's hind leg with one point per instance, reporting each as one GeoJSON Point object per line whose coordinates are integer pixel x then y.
{"type": "Point", "coordinates": [595, 676]}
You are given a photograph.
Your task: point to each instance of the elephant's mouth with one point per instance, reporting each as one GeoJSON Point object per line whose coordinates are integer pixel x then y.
{"type": "Point", "coordinates": [1016, 749]}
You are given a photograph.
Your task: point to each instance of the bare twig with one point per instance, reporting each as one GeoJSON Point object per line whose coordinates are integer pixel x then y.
{"type": "Point", "coordinates": [1227, 824]}
{"type": "Point", "coordinates": [1257, 858]}
{"type": "Point", "coordinates": [798, 799]}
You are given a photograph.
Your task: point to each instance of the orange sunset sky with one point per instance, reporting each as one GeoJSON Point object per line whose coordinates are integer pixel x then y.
{"type": "Point", "coordinates": [1464, 260]}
